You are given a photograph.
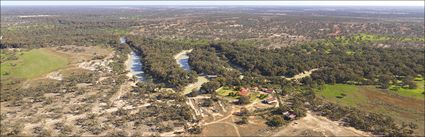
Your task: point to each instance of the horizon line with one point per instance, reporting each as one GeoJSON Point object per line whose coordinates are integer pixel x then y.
{"type": "Point", "coordinates": [217, 3]}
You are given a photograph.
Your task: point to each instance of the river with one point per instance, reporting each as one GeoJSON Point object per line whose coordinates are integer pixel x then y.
{"type": "Point", "coordinates": [135, 66]}
{"type": "Point", "coordinates": [183, 59]}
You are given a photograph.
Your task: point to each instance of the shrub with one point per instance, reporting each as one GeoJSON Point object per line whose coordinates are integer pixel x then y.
{"type": "Point", "coordinates": [275, 121]}
{"type": "Point", "coordinates": [243, 100]}
{"type": "Point", "coordinates": [244, 120]}
{"type": "Point", "coordinates": [207, 103]}
{"type": "Point", "coordinates": [195, 130]}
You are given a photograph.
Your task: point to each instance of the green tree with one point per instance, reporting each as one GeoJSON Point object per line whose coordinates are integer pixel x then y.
{"type": "Point", "coordinates": [409, 81]}
{"type": "Point", "coordinates": [244, 120]}
{"type": "Point", "coordinates": [243, 100]}
{"type": "Point", "coordinates": [195, 130]}
{"type": "Point", "coordinates": [210, 87]}
{"type": "Point", "coordinates": [275, 121]}
{"type": "Point", "coordinates": [384, 81]}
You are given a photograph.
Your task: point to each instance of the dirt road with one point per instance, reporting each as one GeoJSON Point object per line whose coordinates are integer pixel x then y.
{"type": "Point", "coordinates": [318, 124]}
{"type": "Point", "coordinates": [222, 121]}
{"type": "Point", "coordinates": [302, 74]}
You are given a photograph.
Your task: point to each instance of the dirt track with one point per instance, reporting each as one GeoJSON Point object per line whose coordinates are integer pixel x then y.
{"type": "Point", "coordinates": [302, 74]}
{"type": "Point", "coordinates": [318, 124]}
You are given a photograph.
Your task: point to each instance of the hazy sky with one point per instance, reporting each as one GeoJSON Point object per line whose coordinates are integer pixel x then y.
{"type": "Point", "coordinates": [321, 3]}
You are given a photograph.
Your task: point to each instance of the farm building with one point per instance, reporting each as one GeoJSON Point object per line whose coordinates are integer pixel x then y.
{"type": "Point", "coordinates": [211, 76]}
{"type": "Point", "coordinates": [243, 92]}
{"type": "Point", "coordinates": [269, 101]}
{"type": "Point", "coordinates": [289, 115]}
{"type": "Point", "coordinates": [267, 90]}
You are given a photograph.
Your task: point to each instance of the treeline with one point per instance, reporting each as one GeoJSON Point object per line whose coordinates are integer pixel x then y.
{"type": "Point", "coordinates": [338, 62]}
{"type": "Point", "coordinates": [207, 61]}
{"type": "Point", "coordinates": [48, 35]}
{"type": "Point", "coordinates": [68, 26]}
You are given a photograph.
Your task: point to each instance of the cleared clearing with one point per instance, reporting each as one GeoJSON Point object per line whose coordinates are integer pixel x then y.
{"type": "Point", "coordinates": [417, 93]}
{"type": "Point", "coordinates": [195, 86]}
{"type": "Point", "coordinates": [369, 98]}
{"type": "Point", "coordinates": [33, 63]}
{"type": "Point", "coordinates": [321, 126]}
{"type": "Point", "coordinates": [302, 74]}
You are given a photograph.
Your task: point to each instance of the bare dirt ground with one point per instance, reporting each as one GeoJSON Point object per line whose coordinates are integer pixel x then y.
{"type": "Point", "coordinates": [311, 125]}
{"type": "Point", "coordinates": [197, 85]}
{"type": "Point", "coordinates": [320, 125]}
{"type": "Point", "coordinates": [54, 75]}
{"type": "Point", "coordinates": [224, 126]}
{"type": "Point", "coordinates": [302, 74]}
{"type": "Point", "coordinates": [215, 125]}
{"type": "Point", "coordinates": [181, 54]}
{"type": "Point", "coordinates": [221, 129]}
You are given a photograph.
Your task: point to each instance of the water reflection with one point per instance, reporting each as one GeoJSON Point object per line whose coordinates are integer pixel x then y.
{"type": "Point", "coordinates": [184, 62]}
{"type": "Point", "coordinates": [137, 67]}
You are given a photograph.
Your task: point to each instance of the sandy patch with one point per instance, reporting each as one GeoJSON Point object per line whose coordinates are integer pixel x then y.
{"type": "Point", "coordinates": [55, 75]}
{"type": "Point", "coordinates": [312, 122]}
{"type": "Point", "coordinates": [182, 55]}
{"type": "Point", "coordinates": [302, 74]}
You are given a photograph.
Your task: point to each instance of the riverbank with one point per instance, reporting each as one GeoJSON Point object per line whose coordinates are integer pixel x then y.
{"type": "Point", "coordinates": [183, 59]}
{"type": "Point", "coordinates": [134, 66]}
{"type": "Point", "coordinates": [182, 54]}
{"type": "Point", "coordinates": [195, 86]}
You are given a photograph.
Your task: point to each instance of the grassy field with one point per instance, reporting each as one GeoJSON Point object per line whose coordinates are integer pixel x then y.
{"type": "Point", "coordinates": [400, 106]}
{"type": "Point", "coordinates": [33, 63]}
{"type": "Point", "coordinates": [226, 91]}
{"type": "Point", "coordinates": [343, 93]}
{"type": "Point", "coordinates": [415, 93]}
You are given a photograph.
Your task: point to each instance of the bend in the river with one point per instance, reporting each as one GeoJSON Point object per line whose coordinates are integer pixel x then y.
{"type": "Point", "coordinates": [183, 59]}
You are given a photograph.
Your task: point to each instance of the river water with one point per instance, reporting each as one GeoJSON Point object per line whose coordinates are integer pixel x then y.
{"type": "Point", "coordinates": [184, 62]}
{"type": "Point", "coordinates": [183, 59]}
{"type": "Point", "coordinates": [136, 67]}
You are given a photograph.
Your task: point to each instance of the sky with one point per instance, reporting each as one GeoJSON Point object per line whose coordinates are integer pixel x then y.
{"type": "Point", "coordinates": [292, 3]}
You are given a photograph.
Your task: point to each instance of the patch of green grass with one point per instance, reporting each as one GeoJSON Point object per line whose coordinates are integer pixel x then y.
{"type": "Point", "coordinates": [32, 64]}
{"type": "Point", "coordinates": [365, 37]}
{"type": "Point", "coordinates": [407, 92]}
{"type": "Point", "coordinates": [253, 96]}
{"type": "Point", "coordinates": [118, 31]}
{"type": "Point", "coordinates": [372, 99]}
{"type": "Point", "coordinates": [349, 52]}
{"type": "Point", "coordinates": [134, 17]}
{"type": "Point", "coordinates": [343, 94]}
{"type": "Point", "coordinates": [225, 91]}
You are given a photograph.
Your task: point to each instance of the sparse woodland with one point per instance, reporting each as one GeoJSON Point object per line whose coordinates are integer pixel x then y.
{"type": "Point", "coordinates": [239, 48]}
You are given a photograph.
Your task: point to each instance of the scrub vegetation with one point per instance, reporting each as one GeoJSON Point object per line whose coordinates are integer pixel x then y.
{"type": "Point", "coordinates": [254, 71]}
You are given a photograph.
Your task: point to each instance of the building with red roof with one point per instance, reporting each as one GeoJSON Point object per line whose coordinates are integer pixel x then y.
{"type": "Point", "coordinates": [243, 92]}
